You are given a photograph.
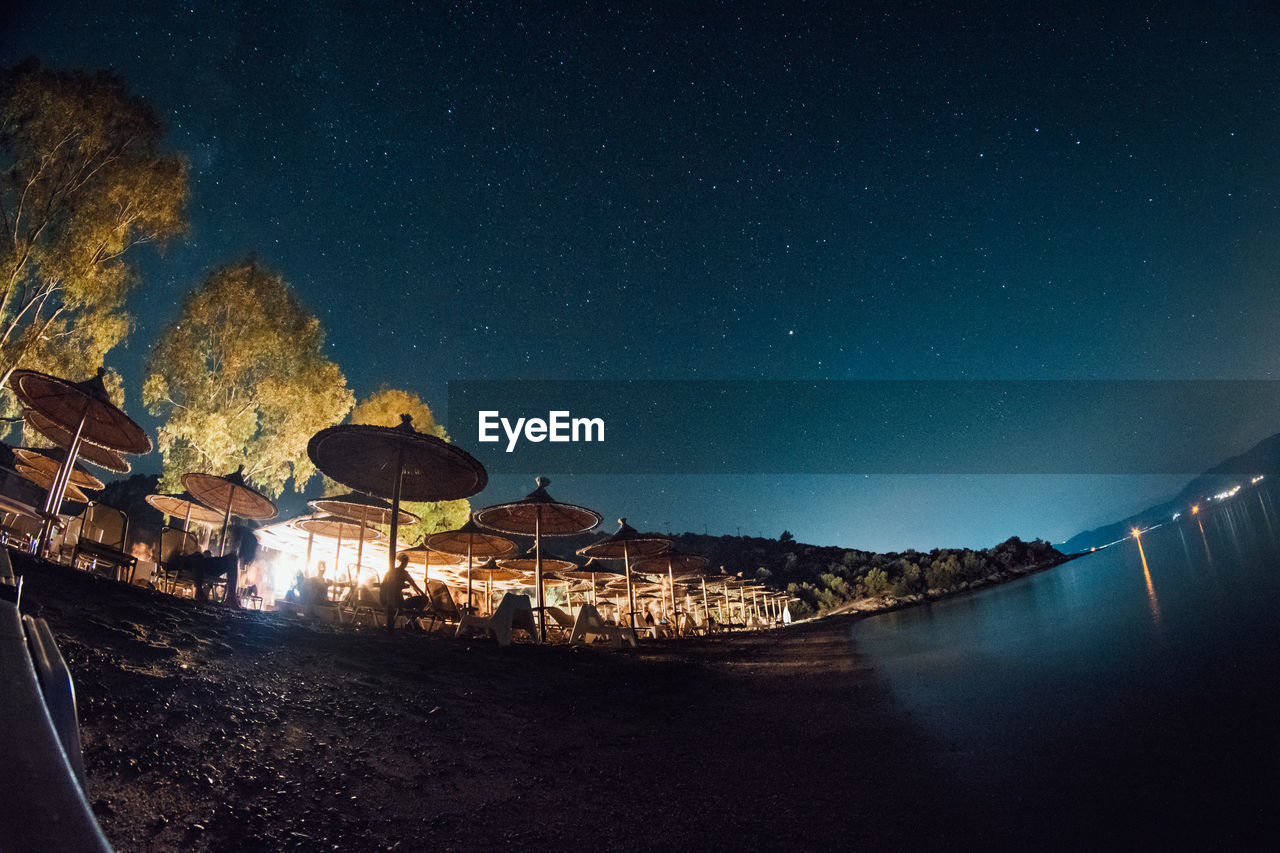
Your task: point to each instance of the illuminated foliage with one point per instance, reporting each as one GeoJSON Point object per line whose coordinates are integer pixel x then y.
{"type": "Point", "coordinates": [242, 380]}
{"type": "Point", "coordinates": [384, 408]}
{"type": "Point", "coordinates": [81, 183]}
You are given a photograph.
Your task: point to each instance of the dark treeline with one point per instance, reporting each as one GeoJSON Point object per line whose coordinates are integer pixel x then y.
{"type": "Point", "coordinates": [825, 578]}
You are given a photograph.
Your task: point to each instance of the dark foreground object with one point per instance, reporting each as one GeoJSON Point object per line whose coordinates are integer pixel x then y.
{"type": "Point", "coordinates": [210, 729]}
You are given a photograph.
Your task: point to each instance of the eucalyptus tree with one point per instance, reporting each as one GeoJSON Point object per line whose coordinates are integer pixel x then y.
{"type": "Point", "coordinates": [241, 378]}
{"type": "Point", "coordinates": [82, 182]}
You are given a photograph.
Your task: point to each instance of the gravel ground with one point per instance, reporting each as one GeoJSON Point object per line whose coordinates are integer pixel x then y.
{"type": "Point", "coordinates": [211, 729]}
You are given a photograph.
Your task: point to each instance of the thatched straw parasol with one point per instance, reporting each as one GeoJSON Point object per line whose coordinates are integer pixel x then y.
{"type": "Point", "coordinates": [186, 507]}
{"type": "Point", "coordinates": [537, 515]}
{"type": "Point", "coordinates": [397, 463]}
{"type": "Point", "coordinates": [365, 509]}
{"type": "Point", "coordinates": [471, 542]}
{"type": "Point", "coordinates": [51, 461]}
{"type": "Point", "coordinates": [44, 480]}
{"type": "Point", "coordinates": [674, 559]}
{"type": "Point", "coordinates": [626, 543]}
{"type": "Point", "coordinates": [83, 408]}
{"type": "Point", "coordinates": [229, 495]}
{"type": "Point", "coordinates": [89, 452]}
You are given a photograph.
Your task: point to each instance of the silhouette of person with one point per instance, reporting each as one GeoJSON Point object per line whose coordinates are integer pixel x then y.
{"type": "Point", "coordinates": [246, 553]}
{"type": "Point", "coordinates": [393, 584]}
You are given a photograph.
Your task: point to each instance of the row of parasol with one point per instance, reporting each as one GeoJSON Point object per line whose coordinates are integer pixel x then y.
{"type": "Point", "coordinates": [401, 463]}
{"type": "Point", "coordinates": [396, 463]}
{"type": "Point", "coordinates": [80, 419]}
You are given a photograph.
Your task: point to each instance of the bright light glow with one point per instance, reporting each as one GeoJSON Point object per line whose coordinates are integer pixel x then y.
{"type": "Point", "coordinates": [1195, 509]}
{"type": "Point", "coordinates": [1177, 515]}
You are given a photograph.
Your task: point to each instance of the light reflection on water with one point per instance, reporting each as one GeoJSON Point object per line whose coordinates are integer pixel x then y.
{"type": "Point", "coordinates": [1150, 667]}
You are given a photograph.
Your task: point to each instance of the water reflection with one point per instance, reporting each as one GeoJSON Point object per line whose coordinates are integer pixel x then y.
{"type": "Point", "coordinates": [1207, 554]}
{"type": "Point", "coordinates": [1055, 686]}
{"type": "Point", "coordinates": [1146, 573]}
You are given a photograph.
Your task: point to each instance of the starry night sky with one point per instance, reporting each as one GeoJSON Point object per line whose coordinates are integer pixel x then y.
{"type": "Point", "coordinates": [786, 191]}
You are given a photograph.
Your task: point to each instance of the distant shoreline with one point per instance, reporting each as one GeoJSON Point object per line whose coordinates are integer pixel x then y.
{"type": "Point", "coordinates": [864, 608]}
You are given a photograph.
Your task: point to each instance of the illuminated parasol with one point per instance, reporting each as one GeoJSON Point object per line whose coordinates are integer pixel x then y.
{"type": "Point", "coordinates": [229, 495]}
{"type": "Point", "coordinates": [588, 572]}
{"type": "Point", "coordinates": [671, 560]}
{"type": "Point", "coordinates": [83, 408]}
{"type": "Point", "coordinates": [471, 542]}
{"type": "Point", "coordinates": [398, 463]}
{"type": "Point", "coordinates": [50, 461]}
{"type": "Point", "coordinates": [538, 515]}
{"type": "Point", "coordinates": [623, 545]}
{"type": "Point", "coordinates": [332, 527]}
{"type": "Point", "coordinates": [365, 509]}
{"type": "Point", "coordinates": [89, 452]}
{"type": "Point", "coordinates": [493, 573]}
{"type": "Point", "coordinates": [187, 507]}
{"type": "Point", "coordinates": [45, 481]}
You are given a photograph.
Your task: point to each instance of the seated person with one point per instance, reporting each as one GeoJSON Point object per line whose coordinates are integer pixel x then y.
{"type": "Point", "coordinates": [295, 593]}
{"type": "Point", "coordinates": [393, 600]}
{"type": "Point", "coordinates": [316, 589]}
{"type": "Point", "coordinates": [193, 567]}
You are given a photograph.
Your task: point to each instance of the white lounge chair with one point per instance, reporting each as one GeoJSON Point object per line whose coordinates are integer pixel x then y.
{"type": "Point", "coordinates": [590, 625]}
{"type": "Point", "coordinates": [513, 613]}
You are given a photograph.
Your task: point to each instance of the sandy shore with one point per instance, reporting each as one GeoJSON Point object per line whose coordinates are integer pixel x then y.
{"type": "Point", "coordinates": [207, 729]}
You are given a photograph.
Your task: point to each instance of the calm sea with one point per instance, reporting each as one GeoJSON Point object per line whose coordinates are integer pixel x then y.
{"type": "Point", "coordinates": [1128, 698]}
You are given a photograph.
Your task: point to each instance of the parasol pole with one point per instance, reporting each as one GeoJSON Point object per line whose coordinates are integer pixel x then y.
{"type": "Point", "coordinates": [626, 563]}
{"type": "Point", "coordinates": [671, 577]}
{"type": "Point", "coordinates": [364, 516]}
{"type": "Point", "coordinates": [471, 538]}
{"type": "Point", "coordinates": [395, 510]}
{"type": "Point", "coordinates": [306, 568]}
{"type": "Point", "coordinates": [537, 565]}
{"type": "Point", "coordinates": [58, 488]}
{"type": "Point", "coordinates": [226, 520]}
{"type": "Point", "coordinates": [706, 609]}
{"type": "Point", "coordinates": [337, 554]}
